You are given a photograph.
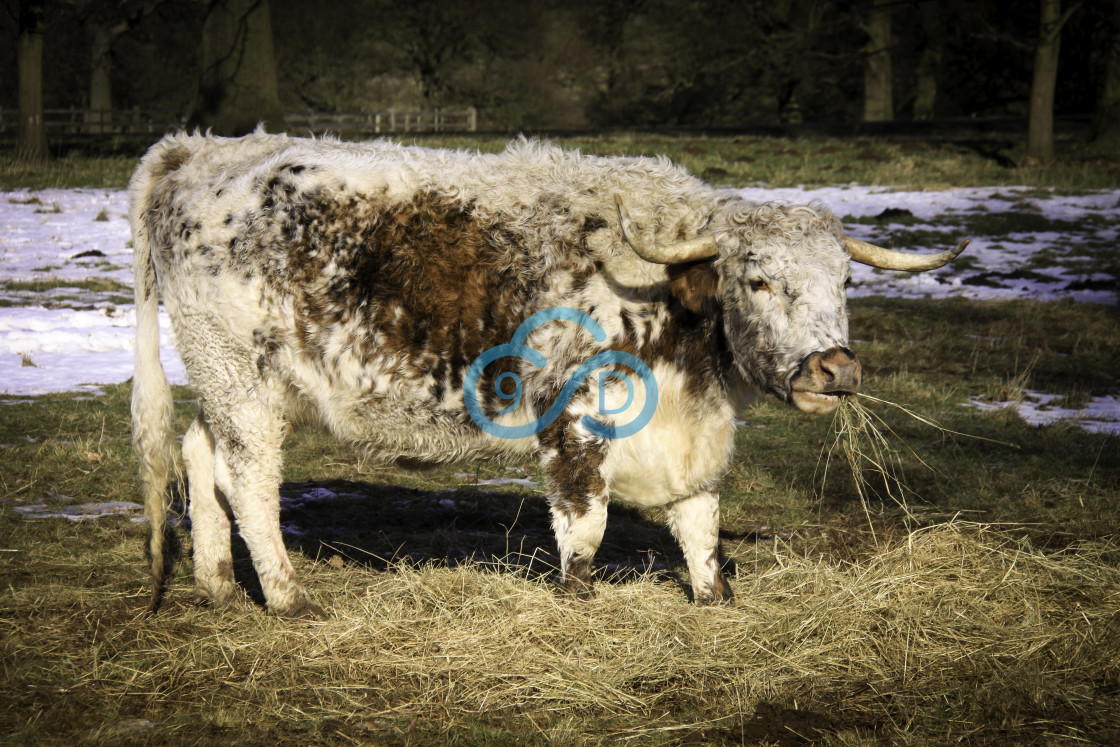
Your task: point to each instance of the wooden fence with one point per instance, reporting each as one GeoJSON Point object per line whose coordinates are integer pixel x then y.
{"type": "Point", "coordinates": [154, 121]}
{"type": "Point", "coordinates": [375, 123]}
{"type": "Point", "coordinates": [100, 122]}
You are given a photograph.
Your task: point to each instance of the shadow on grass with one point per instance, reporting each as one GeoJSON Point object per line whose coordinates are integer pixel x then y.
{"type": "Point", "coordinates": [381, 527]}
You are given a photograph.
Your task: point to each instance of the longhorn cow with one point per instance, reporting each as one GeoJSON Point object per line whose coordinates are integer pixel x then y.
{"type": "Point", "coordinates": [363, 284]}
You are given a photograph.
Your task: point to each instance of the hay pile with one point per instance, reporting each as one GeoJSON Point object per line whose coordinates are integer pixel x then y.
{"type": "Point", "coordinates": [945, 632]}
{"type": "Point", "coordinates": [955, 632]}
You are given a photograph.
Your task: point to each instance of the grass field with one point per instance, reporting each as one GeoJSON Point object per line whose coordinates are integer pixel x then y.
{"type": "Point", "coordinates": [980, 605]}
{"type": "Point", "coordinates": [732, 161]}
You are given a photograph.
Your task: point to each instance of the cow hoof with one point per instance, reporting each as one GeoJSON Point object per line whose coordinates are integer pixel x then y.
{"type": "Point", "coordinates": [575, 579]}
{"type": "Point", "coordinates": [577, 587]}
{"type": "Point", "coordinates": [224, 596]}
{"type": "Point", "coordinates": [301, 609]}
{"type": "Point", "coordinates": [719, 593]}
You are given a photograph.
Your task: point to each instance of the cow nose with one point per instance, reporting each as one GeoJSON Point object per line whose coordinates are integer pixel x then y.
{"type": "Point", "coordinates": [835, 370]}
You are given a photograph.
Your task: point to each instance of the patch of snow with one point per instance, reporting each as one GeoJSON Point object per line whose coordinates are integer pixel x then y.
{"type": "Point", "coordinates": [1100, 415]}
{"type": "Point", "coordinates": [76, 340]}
{"type": "Point", "coordinates": [33, 236]}
{"type": "Point", "coordinates": [989, 272]}
{"type": "Point", "coordinates": [524, 482]}
{"type": "Point", "coordinates": [91, 343]}
{"type": "Point", "coordinates": [59, 350]}
{"type": "Point", "coordinates": [79, 512]}
{"type": "Point", "coordinates": [319, 494]}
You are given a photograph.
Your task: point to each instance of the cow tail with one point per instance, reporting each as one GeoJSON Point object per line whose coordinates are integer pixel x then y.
{"type": "Point", "coordinates": [152, 435]}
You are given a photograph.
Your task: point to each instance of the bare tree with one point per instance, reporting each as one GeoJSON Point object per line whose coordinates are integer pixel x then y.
{"type": "Point", "coordinates": [1106, 117]}
{"type": "Point", "coordinates": [32, 141]}
{"type": "Point", "coordinates": [1040, 135]}
{"type": "Point", "coordinates": [434, 38]}
{"type": "Point", "coordinates": [104, 24]}
{"type": "Point", "coordinates": [789, 28]}
{"type": "Point", "coordinates": [238, 89]}
{"type": "Point", "coordinates": [604, 26]}
{"type": "Point", "coordinates": [878, 101]}
{"type": "Point", "coordinates": [929, 60]}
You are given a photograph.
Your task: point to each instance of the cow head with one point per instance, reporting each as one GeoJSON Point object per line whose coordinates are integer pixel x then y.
{"type": "Point", "coordinates": [780, 279]}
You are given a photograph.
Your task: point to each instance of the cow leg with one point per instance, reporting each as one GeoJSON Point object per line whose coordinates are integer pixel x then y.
{"type": "Point", "coordinates": [579, 526]}
{"type": "Point", "coordinates": [210, 519]}
{"type": "Point", "coordinates": [247, 470]}
{"type": "Point", "coordinates": [577, 497]}
{"type": "Point", "coordinates": [244, 411]}
{"type": "Point", "coordinates": [694, 521]}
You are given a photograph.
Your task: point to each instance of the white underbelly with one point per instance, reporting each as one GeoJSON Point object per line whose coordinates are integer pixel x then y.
{"type": "Point", "coordinates": [686, 446]}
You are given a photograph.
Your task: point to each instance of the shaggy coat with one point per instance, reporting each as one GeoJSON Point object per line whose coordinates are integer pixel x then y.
{"type": "Point", "coordinates": [358, 282]}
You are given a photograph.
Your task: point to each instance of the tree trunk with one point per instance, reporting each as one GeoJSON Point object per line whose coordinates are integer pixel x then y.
{"type": "Point", "coordinates": [1106, 116]}
{"type": "Point", "coordinates": [32, 140]}
{"type": "Point", "coordinates": [103, 28]}
{"type": "Point", "coordinates": [100, 84]}
{"type": "Point", "coordinates": [878, 103]}
{"type": "Point", "coordinates": [789, 57]}
{"type": "Point", "coordinates": [1040, 137]}
{"type": "Point", "coordinates": [925, 99]}
{"type": "Point", "coordinates": [238, 89]}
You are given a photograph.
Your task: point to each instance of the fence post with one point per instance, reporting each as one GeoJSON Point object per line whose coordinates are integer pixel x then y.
{"type": "Point", "coordinates": [136, 121]}
{"type": "Point", "coordinates": [95, 121]}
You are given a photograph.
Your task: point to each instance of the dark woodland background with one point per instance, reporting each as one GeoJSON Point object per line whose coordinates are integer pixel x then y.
{"type": "Point", "coordinates": [571, 64]}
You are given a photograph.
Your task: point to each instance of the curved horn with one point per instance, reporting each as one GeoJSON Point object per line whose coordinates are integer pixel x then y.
{"type": "Point", "coordinates": [690, 250]}
{"type": "Point", "coordinates": [888, 259]}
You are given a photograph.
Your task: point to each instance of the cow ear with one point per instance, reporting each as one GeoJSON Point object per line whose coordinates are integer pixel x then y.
{"type": "Point", "coordinates": [695, 285]}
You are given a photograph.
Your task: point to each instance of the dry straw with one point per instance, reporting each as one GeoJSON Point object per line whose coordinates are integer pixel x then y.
{"type": "Point", "coordinates": [952, 632]}
{"type": "Point", "coordinates": [956, 632]}
{"type": "Point", "coordinates": [875, 454]}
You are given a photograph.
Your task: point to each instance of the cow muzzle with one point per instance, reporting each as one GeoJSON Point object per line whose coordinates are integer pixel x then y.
{"type": "Point", "coordinates": [823, 378]}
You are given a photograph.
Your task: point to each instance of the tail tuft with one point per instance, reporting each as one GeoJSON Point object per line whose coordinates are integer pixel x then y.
{"type": "Point", "coordinates": [152, 435]}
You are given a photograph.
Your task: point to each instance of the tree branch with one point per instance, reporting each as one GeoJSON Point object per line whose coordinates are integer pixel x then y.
{"type": "Point", "coordinates": [1056, 29]}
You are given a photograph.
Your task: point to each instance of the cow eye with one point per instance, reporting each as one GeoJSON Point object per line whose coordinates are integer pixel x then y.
{"type": "Point", "coordinates": [760, 285]}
